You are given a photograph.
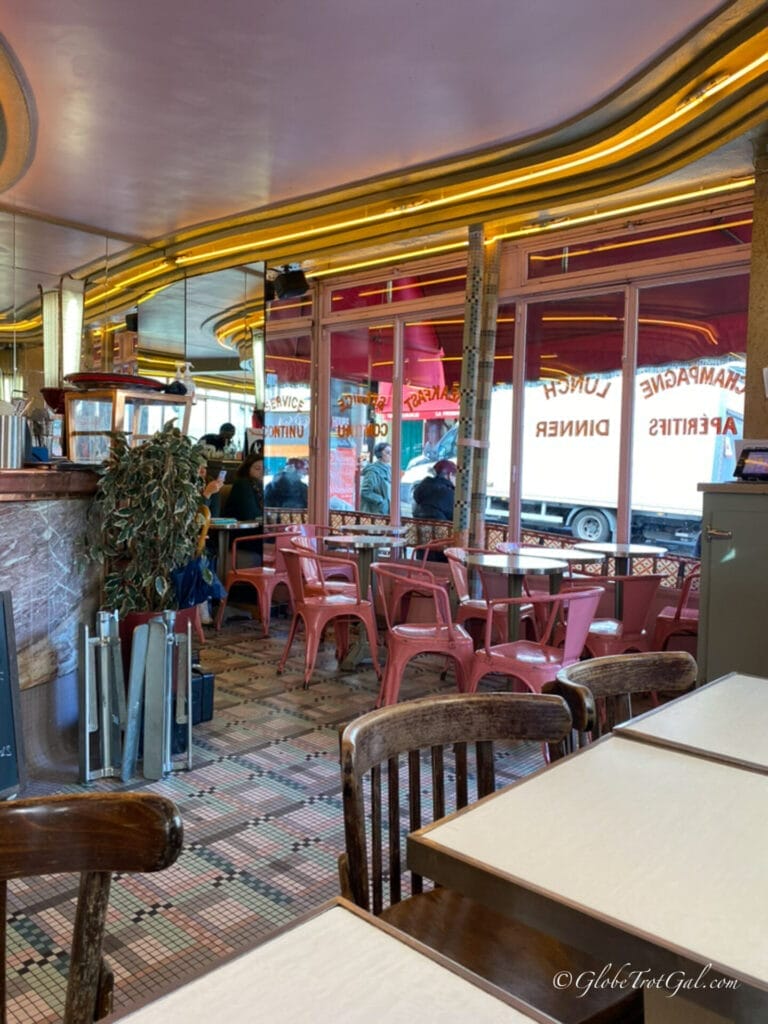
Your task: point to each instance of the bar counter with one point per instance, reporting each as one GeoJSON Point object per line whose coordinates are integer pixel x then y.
{"type": "Point", "coordinates": [42, 519]}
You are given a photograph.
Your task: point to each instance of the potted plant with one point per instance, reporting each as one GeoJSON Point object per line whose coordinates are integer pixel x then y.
{"type": "Point", "coordinates": [145, 521]}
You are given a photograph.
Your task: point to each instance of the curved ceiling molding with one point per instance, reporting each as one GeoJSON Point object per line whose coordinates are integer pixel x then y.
{"type": "Point", "coordinates": [708, 89]}
{"type": "Point", "coordinates": [18, 120]}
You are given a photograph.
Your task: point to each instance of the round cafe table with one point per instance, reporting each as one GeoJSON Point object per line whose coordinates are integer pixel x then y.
{"type": "Point", "coordinates": [623, 556]}
{"type": "Point", "coordinates": [364, 546]}
{"type": "Point", "coordinates": [225, 529]}
{"type": "Point", "coordinates": [377, 529]}
{"type": "Point", "coordinates": [516, 567]}
{"type": "Point", "coordinates": [570, 555]}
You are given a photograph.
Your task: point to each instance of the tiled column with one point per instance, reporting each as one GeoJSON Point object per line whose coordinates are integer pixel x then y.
{"type": "Point", "coordinates": [483, 394]}
{"type": "Point", "coordinates": [755, 402]}
{"type": "Point", "coordinates": [473, 304]}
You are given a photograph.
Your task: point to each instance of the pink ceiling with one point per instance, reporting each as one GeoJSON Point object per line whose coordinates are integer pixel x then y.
{"type": "Point", "coordinates": [159, 114]}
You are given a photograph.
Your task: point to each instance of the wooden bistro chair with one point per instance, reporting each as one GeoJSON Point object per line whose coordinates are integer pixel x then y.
{"type": "Point", "coordinates": [318, 601]}
{"type": "Point", "coordinates": [405, 640]}
{"type": "Point", "coordinates": [407, 765]}
{"type": "Point", "coordinates": [610, 683]}
{"type": "Point", "coordinates": [93, 834]}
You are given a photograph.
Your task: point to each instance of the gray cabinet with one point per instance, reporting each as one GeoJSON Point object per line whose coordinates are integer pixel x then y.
{"type": "Point", "coordinates": [733, 616]}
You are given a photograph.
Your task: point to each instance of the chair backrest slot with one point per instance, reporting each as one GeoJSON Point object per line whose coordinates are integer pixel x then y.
{"type": "Point", "coordinates": [450, 737]}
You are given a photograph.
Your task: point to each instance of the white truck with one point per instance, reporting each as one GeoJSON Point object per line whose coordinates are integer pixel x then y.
{"type": "Point", "coordinates": [687, 419]}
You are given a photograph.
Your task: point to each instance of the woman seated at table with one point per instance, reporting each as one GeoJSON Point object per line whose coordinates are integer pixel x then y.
{"type": "Point", "coordinates": [245, 500]}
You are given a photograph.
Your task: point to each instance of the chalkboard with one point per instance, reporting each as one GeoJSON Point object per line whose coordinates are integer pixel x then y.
{"type": "Point", "coordinates": [12, 774]}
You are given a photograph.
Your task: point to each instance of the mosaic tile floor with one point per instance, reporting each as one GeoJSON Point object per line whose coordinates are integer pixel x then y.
{"type": "Point", "coordinates": [263, 828]}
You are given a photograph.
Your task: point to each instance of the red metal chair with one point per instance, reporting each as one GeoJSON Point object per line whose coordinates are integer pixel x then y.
{"type": "Point", "coordinates": [263, 578]}
{"type": "Point", "coordinates": [393, 583]}
{"type": "Point", "coordinates": [317, 602]}
{"type": "Point", "coordinates": [537, 662]}
{"type": "Point", "coordinates": [629, 633]}
{"type": "Point", "coordinates": [339, 574]}
{"type": "Point", "coordinates": [474, 609]}
{"type": "Point", "coordinates": [679, 619]}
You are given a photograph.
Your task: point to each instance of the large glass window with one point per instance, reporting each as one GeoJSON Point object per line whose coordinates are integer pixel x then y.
{"type": "Point", "coordinates": [572, 417]}
{"type": "Point", "coordinates": [689, 403]}
{"type": "Point", "coordinates": [361, 372]}
{"type": "Point", "coordinates": [286, 420]}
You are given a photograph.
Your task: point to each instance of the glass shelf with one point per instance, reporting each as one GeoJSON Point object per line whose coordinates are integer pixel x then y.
{"type": "Point", "coordinates": [90, 415]}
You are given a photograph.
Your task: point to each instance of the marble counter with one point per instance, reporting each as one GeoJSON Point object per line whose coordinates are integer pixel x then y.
{"type": "Point", "coordinates": [42, 517]}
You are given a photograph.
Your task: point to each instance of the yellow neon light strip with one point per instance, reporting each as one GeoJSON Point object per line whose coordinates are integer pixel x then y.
{"type": "Point", "coordinates": [667, 236]}
{"type": "Point", "coordinates": [413, 284]}
{"type": "Point", "coordinates": [589, 218]}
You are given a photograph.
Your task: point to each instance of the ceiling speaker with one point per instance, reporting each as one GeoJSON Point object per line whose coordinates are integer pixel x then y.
{"type": "Point", "coordinates": [290, 284]}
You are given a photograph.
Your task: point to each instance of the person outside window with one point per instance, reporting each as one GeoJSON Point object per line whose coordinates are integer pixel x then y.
{"type": "Point", "coordinates": [433, 497]}
{"type": "Point", "coordinates": [287, 489]}
{"type": "Point", "coordinates": [222, 443]}
{"type": "Point", "coordinates": [376, 481]}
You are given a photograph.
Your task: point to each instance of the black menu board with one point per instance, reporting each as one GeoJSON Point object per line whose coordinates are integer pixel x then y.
{"type": "Point", "coordinates": [12, 776]}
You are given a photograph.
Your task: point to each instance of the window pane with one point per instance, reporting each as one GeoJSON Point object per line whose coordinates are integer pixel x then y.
{"type": "Point", "coordinates": [650, 244]}
{"type": "Point", "coordinates": [361, 370]}
{"type": "Point", "coordinates": [400, 289]}
{"type": "Point", "coordinates": [689, 404]}
{"type": "Point", "coordinates": [286, 420]}
{"type": "Point", "coordinates": [572, 417]}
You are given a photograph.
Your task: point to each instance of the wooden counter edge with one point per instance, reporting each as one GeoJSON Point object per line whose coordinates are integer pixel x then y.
{"type": "Point", "coordinates": [46, 484]}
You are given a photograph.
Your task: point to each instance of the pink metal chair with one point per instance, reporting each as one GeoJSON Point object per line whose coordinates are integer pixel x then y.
{"type": "Point", "coordinates": [335, 573]}
{"type": "Point", "coordinates": [405, 640]}
{"type": "Point", "coordinates": [317, 602]}
{"type": "Point", "coordinates": [264, 579]}
{"type": "Point", "coordinates": [629, 633]}
{"type": "Point", "coordinates": [475, 609]}
{"type": "Point", "coordinates": [679, 619]}
{"type": "Point", "coordinates": [537, 662]}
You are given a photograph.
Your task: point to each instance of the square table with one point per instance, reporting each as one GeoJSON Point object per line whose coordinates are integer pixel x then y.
{"type": "Point", "coordinates": [726, 720]}
{"type": "Point", "coordinates": [340, 964]}
{"type": "Point", "coordinates": [632, 852]}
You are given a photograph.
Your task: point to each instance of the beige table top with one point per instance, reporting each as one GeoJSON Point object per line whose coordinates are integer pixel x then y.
{"type": "Point", "coordinates": [517, 565]}
{"type": "Point", "coordinates": [664, 849]}
{"type": "Point", "coordinates": [621, 550]}
{"type": "Point", "coordinates": [338, 965]}
{"type": "Point", "coordinates": [366, 540]}
{"type": "Point", "coordinates": [727, 720]}
{"type": "Point", "coordinates": [375, 528]}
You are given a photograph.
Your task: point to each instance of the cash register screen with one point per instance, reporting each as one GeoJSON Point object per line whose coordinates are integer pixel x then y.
{"type": "Point", "coordinates": [753, 464]}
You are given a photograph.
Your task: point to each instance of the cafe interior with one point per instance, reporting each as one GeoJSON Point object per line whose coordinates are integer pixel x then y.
{"type": "Point", "coordinates": [280, 733]}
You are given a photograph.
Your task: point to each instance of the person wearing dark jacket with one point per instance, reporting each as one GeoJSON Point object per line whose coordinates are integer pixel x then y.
{"type": "Point", "coordinates": [245, 498]}
{"type": "Point", "coordinates": [287, 489]}
{"type": "Point", "coordinates": [433, 497]}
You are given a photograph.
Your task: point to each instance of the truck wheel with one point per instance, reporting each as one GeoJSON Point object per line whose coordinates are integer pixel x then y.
{"type": "Point", "coordinates": [591, 524]}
